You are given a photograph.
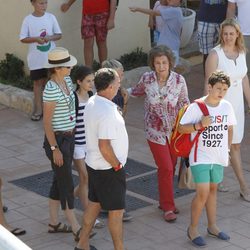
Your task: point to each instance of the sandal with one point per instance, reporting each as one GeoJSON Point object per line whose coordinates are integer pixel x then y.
{"type": "Point", "coordinates": [60, 228]}
{"type": "Point", "coordinates": [18, 231]}
{"type": "Point", "coordinates": [77, 234]}
{"type": "Point", "coordinates": [99, 224]}
{"type": "Point", "coordinates": [36, 117]}
{"type": "Point", "coordinates": [222, 188]}
{"type": "Point", "coordinates": [90, 248]}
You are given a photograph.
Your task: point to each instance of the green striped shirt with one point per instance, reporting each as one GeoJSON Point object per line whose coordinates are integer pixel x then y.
{"type": "Point", "coordinates": [64, 115]}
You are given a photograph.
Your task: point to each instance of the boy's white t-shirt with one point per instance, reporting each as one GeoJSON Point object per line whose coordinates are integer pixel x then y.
{"type": "Point", "coordinates": [213, 142]}
{"type": "Point", "coordinates": [33, 26]}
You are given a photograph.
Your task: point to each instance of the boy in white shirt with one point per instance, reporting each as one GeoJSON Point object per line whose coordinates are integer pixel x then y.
{"type": "Point", "coordinates": [39, 29]}
{"type": "Point", "coordinates": [212, 153]}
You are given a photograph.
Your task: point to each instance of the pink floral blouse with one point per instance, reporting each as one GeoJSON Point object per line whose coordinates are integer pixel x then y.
{"type": "Point", "coordinates": [161, 105]}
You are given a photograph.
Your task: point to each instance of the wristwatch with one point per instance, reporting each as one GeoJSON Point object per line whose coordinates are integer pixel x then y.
{"type": "Point", "coordinates": [118, 167]}
{"type": "Point", "coordinates": [53, 147]}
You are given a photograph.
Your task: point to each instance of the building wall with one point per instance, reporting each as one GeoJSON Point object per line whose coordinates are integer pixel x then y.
{"type": "Point", "coordinates": [130, 31]}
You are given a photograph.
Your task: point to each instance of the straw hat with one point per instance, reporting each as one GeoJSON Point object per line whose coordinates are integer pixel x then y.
{"type": "Point", "coordinates": [60, 57]}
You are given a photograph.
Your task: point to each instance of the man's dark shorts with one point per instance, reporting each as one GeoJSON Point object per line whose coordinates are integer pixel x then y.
{"type": "Point", "coordinates": [108, 188]}
{"type": "Point", "coordinates": [38, 74]}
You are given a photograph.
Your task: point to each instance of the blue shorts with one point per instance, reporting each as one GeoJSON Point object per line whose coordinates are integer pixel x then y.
{"type": "Point", "coordinates": [207, 173]}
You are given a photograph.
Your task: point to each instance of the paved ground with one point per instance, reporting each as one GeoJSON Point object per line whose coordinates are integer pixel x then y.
{"type": "Point", "coordinates": [21, 155]}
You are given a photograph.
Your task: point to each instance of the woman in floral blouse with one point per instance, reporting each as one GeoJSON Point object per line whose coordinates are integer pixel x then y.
{"type": "Point", "coordinates": [165, 93]}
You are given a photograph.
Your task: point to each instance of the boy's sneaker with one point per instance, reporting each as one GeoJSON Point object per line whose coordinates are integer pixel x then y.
{"type": "Point", "coordinates": [126, 217]}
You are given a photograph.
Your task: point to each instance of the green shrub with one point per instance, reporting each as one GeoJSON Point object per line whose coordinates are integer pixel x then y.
{"type": "Point", "coordinates": [12, 72]}
{"type": "Point", "coordinates": [136, 58]}
{"type": "Point", "coordinates": [11, 68]}
{"type": "Point", "coordinates": [96, 65]}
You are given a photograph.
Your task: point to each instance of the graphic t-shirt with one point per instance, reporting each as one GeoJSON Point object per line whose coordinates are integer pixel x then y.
{"type": "Point", "coordinates": [213, 141]}
{"type": "Point", "coordinates": [33, 26]}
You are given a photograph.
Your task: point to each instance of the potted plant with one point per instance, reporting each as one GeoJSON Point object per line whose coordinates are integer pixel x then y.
{"type": "Point", "coordinates": [188, 23]}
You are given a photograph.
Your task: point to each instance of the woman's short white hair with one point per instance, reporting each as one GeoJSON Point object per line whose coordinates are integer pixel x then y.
{"type": "Point", "coordinates": [112, 64]}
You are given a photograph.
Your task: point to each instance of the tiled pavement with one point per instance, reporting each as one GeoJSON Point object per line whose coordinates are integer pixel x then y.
{"type": "Point", "coordinates": [21, 155]}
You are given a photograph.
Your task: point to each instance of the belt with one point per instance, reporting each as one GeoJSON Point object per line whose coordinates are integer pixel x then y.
{"type": "Point", "coordinates": [67, 133]}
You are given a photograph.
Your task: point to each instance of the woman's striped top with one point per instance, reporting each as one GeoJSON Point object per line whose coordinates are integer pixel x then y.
{"type": "Point", "coordinates": [64, 114]}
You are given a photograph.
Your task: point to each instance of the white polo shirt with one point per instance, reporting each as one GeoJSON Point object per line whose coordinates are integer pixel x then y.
{"type": "Point", "coordinates": [104, 121]}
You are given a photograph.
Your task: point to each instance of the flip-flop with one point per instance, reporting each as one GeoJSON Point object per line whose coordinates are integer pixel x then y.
{"type": "Point", "coordinates": [36, 117]}
{"type": "Point", "coordinates": [60, 228]}
{"type": "Point", "coordinates": [18, 231]}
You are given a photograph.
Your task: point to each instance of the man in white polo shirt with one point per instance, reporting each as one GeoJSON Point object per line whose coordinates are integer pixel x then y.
{"type": "Point", "coordinates": [243, 18]}
{"type": "Point", "coordinates": [107, 151]}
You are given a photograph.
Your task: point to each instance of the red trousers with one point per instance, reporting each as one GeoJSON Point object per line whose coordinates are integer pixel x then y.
{"type": "Point", "coordinates": [166, 165]}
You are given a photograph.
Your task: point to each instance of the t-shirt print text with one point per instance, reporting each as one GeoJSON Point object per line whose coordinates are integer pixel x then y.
{"type": "Point", "coordinates": [213, 135]}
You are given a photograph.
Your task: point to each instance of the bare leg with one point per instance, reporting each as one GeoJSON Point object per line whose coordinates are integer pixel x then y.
{"type": "Point", "coordinates": [71, 217]}
{"type": "Point", "coordinates": [37, 90]}
{"type": "Point", "coordinates": [54, 206]}
{"type": "Point", "coordinates": [89, 217]}
{"type": "Point", "coordinates": [211, 209]}
{"type": "Point", "coordinates": [204, 61]}
{"type": "Point", "coordinates": [88, 50]}
{"type": "Point", "coordinates": [81, 190]}
{"type": "Point", "coordinates": [102, 50]}
{"type": "Point", "coordinates": [116, 228]}
{"type": "Point", "coordinates": [198, 203]}
{"type": "Point", "coordinates": [237, 166]}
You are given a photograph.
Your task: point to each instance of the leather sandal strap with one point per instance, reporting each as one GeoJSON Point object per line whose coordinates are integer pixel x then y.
{"type": "Point", "coordinates": [55, 227]}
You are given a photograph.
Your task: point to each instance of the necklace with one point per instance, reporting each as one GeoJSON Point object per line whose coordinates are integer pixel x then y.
{"type": "Point", "coordinates": [70, 103]}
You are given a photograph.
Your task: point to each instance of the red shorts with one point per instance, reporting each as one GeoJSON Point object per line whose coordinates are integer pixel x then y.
{"type": "Point", "coordinates": [95, 26]}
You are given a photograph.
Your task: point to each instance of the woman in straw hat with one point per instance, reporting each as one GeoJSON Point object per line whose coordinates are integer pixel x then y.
{"type": "Point", "coordinates": [59, 124]}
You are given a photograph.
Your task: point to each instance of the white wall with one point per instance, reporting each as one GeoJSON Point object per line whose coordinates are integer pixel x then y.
{"type": "Point", "coordinates": [130, 32]}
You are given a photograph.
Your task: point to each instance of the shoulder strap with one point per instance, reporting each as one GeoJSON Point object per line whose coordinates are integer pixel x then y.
{"type": "Point", "coordinates": [203, 107]}
{"type": "Point", "coordinates": [76, 103]}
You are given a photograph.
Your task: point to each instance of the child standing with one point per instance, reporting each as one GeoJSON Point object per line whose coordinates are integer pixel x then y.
{"type": "Point", "coordinates": [85, 81]}
{"type": "Point", "coordinates": [156, 23]}
{"type": "Point", "coordinates": [170, 34]}
{"type": "Point", "coordinates": [121, 98]}
{"type": "Point", "coordinates": [212, 153]}
{"type": "Point", "coordinates": [39, 29]}
{"type": "Point", "coordinates": [97, 19]}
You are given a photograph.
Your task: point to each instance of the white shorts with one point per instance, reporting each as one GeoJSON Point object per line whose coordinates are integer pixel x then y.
{"type": "Point", "coordinates": [79, 152]}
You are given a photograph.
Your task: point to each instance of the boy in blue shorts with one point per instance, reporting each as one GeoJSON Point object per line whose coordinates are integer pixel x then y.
{"type": "Point", "coordinates": [212, 153]}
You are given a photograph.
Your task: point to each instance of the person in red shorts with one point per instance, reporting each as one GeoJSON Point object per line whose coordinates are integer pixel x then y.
{"type": "Point", "coordinates": [97, 19]}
